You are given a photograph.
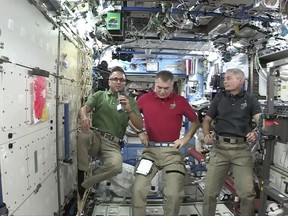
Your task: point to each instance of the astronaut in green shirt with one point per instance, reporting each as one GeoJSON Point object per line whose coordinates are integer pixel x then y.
{"type": "Point", "coordinates": [111, 112]}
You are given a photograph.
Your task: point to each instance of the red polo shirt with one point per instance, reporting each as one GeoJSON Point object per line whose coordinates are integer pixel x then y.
{"type": "Point", "coordinates": [163, 117]}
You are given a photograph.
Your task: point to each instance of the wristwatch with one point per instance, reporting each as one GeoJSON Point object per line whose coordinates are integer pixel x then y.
{"type": "Point", "coordinates": [140, 131]}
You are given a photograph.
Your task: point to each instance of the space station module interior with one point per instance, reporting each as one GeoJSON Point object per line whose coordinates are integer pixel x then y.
{"type": "Point", "coordinates": [54, 54]}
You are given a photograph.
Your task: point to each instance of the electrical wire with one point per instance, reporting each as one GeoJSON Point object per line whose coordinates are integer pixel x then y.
{"type": "Point", "coordinates": [257, 63]}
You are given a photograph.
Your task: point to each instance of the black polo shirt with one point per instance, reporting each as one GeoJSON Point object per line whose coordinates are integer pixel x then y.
{"type": "Point", "coordinates": [233, 113]}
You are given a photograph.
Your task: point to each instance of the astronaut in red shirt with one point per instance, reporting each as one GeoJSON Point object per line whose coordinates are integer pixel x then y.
{"type": "Point", "coordinates": [163, 112]}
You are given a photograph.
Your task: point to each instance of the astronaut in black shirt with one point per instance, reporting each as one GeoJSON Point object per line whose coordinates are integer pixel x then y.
{"type": "Point", "coordinates": [232, 112]}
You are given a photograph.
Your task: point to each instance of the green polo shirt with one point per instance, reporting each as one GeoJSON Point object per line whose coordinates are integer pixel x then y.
{"type": "Point", "coordinates": [105, 115]}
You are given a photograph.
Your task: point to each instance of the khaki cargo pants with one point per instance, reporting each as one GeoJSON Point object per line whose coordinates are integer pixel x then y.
{"type": "Point", "coordinates": [171, 163]}
{"type": "Point", "coordinates": [93, 144]}
{"type": "Point", "coordinates": [237, 157]}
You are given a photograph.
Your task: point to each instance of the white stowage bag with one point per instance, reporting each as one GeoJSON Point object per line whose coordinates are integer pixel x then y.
{"type": "Point", "coordinates": [274, 209]}
{"type": "Point", "coordinates": [121, 184]}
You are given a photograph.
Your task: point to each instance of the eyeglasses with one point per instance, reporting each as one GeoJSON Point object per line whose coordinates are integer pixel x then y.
{"type": "Point", "coordinates": [115, 79]}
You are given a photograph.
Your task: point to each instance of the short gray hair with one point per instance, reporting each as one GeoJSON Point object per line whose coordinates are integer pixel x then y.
{"type": "Point", "coordinates": [239, 73]}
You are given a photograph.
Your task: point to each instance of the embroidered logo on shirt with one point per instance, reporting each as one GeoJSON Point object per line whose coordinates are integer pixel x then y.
{"type": "Point", "coordinates": [173, 105]}
{"type": "Point", "coordinates": [243, 105]}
